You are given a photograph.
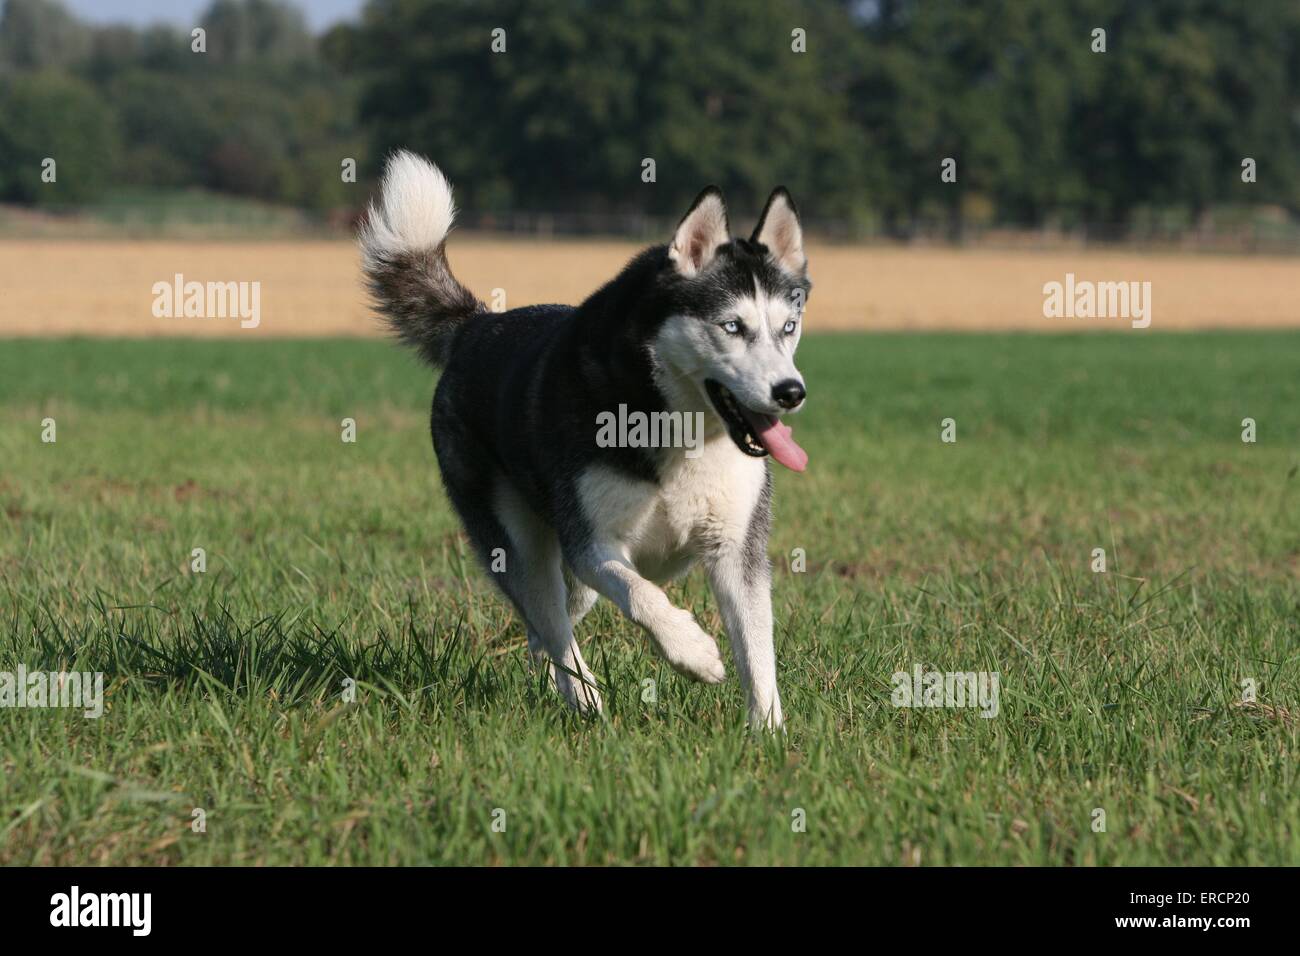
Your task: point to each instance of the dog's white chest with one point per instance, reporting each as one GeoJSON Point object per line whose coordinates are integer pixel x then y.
{"type": "Point", "coordinates": [700, 505]}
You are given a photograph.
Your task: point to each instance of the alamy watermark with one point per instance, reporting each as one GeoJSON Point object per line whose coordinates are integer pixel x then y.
{"type": "Point", "coordinates": [133, 911]}
{"type": "Point", "coordinates": [637, 429]}
{"type": "Point", "coordinates": [179, 299]}
{"type": "Point", "coordinates": [922, 688]}
{"type": "Point", "coordinates": [1084, 299]}
{"type": "Point", "coordinates": [41, 689]}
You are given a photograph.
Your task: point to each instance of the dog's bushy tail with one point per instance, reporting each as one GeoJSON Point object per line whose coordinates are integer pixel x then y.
{"type": "Point", "coordinates": [403, 253]}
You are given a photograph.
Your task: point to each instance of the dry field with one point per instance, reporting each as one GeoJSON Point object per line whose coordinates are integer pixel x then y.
{"type": "Point", "coordinates": [312, 288]}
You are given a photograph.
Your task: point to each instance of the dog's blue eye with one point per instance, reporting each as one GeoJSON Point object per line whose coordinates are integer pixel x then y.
{"type": "Point", "coordinates": [731, 327]}
{"type": "Point", "coordinates": [789, 327]}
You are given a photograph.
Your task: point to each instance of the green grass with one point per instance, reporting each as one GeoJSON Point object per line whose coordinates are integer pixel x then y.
{"type": "Point", "coordinates": [1119, 691]}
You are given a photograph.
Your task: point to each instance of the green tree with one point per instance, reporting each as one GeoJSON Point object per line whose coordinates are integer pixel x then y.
{"type": "Point", "coordinates": [585, 92]}
{"type": "Point", "coordinates": [39, 35]}
{"type": "Point", "coordinates": [262, 31]}
{"type": "Point", "coordinates": [49, 116]}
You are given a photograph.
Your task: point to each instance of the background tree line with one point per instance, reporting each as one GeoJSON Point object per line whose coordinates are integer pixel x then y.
{"type": "Point", "coordinates": [1044, 130]}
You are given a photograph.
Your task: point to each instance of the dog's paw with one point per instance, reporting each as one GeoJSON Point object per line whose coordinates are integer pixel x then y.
{"type": "Point", "coordinates": [579, 694]}
{"type": "Point", "coordinates": [767, 720]}
{"type": "Point", "coordinates": [689, 649]}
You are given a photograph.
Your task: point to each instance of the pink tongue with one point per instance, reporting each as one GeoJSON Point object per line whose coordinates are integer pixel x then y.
{"type": "Point", "coordinates": [779, 442]}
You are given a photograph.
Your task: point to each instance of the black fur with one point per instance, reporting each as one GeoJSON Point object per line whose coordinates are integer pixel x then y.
{"type": "Point", "coordinates": [521, 390]}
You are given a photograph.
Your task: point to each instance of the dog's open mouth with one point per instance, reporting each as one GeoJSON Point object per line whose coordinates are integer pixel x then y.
{"type": "Point", "coordinates": [756, 433]}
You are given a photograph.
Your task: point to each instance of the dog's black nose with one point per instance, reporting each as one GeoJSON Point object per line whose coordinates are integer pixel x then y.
{"type": "Point", "coordinates": [789, 393]}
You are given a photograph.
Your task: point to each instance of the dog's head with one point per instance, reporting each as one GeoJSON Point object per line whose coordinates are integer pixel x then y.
{"type": "Point", "coordinates": [736, 317]}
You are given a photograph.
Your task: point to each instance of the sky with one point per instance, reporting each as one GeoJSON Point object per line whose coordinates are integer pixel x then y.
{"type": "Point", "coordinates": [320, 13]}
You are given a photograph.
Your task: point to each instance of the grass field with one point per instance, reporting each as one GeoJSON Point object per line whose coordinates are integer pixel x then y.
{"type": "Point", "coordinates": [1119, 691]}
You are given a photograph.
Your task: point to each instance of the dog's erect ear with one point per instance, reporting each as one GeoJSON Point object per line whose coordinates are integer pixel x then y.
{"type": "Point", "coordinates": [702, 230]}
{"type": "Point", "coordinates": [778, 229]}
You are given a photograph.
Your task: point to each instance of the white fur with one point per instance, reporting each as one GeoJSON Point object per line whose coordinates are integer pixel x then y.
{"type": "Point", "coordinates": [645, 533]}
{"type": "Point", "coordinates": [699, 506]}
{"type": "Point", "coordinates": [415, 210]}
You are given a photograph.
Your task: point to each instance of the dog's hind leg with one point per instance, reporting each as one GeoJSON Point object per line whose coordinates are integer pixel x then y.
{"type": "Point", "coordinates": [520, 554]}
{"type": "Point", "coordinates": [534, 580]}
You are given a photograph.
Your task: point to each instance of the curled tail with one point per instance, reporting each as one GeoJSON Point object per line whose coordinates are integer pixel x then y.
{"type": "Point", "coordinates": [404, 258]}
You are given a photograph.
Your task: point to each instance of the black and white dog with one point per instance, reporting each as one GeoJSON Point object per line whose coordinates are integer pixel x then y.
{"type": "Point", "coordinates": [705, 327]}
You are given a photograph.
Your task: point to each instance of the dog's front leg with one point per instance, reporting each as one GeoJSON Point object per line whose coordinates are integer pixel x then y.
{"type": "Point", "coordinates": [681, 641]}
{"type": "Point", "coordinates": [742, 584]}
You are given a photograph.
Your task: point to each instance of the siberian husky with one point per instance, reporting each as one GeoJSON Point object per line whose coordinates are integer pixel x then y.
{"type": "Point", "coordinates": [705, 326]}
